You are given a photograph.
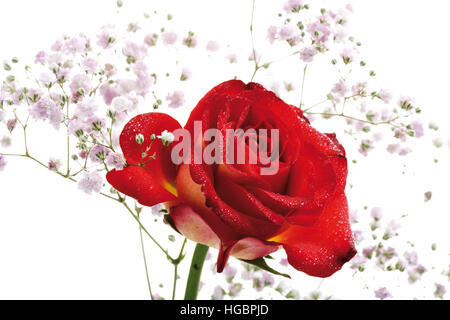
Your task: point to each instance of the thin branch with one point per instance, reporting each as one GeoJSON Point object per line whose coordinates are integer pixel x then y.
{"type": "Point", "coordinates": [176, 262]}
{"type": "Point", "coordinates": [303, 86]}
{"type": "Point", "coordinates": [145, 261]}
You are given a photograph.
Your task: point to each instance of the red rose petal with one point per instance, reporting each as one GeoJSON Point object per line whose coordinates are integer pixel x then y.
{"type": "Point", "coordinates": [252, 248]}
{"type": "Point", "coordinates": [139, 183]}
{"type": "Point", "coordinates": [190, 224]}
{"type": "Point", "coordinates": [279, 203]}
{"type": "Point", "coordinates": [238, 221]}
{"type": "Point", "coordinates": [163, 169]}
{"type": "Point", "coordinates": [240, 199]}
{"type": "Point", "coordinates": [321, 249]}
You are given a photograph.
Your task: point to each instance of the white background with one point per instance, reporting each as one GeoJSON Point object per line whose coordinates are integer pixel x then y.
{"type": "Point", "coordinates": [56, 242]}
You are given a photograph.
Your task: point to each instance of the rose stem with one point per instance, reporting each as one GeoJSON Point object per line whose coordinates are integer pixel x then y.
{"type": "Point", "coordinates": [195, 272]}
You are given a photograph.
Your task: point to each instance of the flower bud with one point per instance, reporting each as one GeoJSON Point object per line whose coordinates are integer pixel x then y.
{"type": "Point", "coordinates": [140, 138]}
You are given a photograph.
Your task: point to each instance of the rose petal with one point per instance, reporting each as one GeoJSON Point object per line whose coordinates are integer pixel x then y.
{"type": "Point", "coordinates": [240, 199]}
{"type": "Point", "coordinates": [162, 168]}
{"type": "Point", "coordinates": [321, 249]}
{"type": "Point", "coordinates": [193, 226]}
{"type": "Point", "coordinates": [252, 248]}
{"type": "Point", "coordinates": [190, 224]}
{"type": "Point", "coordinates": [139, 183]}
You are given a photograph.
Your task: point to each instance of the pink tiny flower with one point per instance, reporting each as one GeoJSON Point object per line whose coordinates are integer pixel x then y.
{"type": "Point", "coordinates": [440, 291]}
{"type": "Point", "coordinates": [176, 99]}
{"type": "Point", "coordinates": [340, 88]}
{"type": "Point", "coordinates": [360, 89]}
{"type": "Point", "coordinates": [229, 272]}
{"type": "Point", "coordinates": [368, 252]}
{"type": "Point", "coordinates": [288, 86]}
{"type": "Point", "coordinates": [80, 82]}
{"type": "Point", "coordinates": [358, 235]}
{"type": "Point", "coordinates": [348, 55]}
{"type": "Point", "coordinates": [319, 31]}
{"type": "Point", "coordinates": [134, 50]}
{"type": "Point", "coordinates": [11, 124]}
{"type": "Point", "coordinates": [62, 74]}
{"type": "Point", "coordinates": [190, 41]}
{"type": "Point", "coordinates": [76, 126]}
{"type": "Point", "coordinates": [218, 293]}
{"type": "Point", "coordinates": [340, 34]}
{"type": "Point", "coordinates": [358, 262]}
{"type": "Point", "coordinates": [91, 182]}
{"type": "Point", "coordinates": [115, 161]}
{"type": "Point", "coordinates": [382, 293]}
{"type": "Point", "coordinates": [54, 165]}
{"type": "Point", "coordinates": [106, 38]}
{"type": "Point", "coordinates": [57, 46]}
{"type": "Point", "coordinates": [46, 79]}
{"type": "Point", "coordinates": [2, 163]}
{"type": "Point", "coordinates": [47, 109]}
{"type": "Point", "coordinates": [411, 257]}
{"type": "Point", "coordinates": [404, 152]}
{"type": "Point", "coordinates": [185, 74]}
{"type": "Point", "coordinates": [293, 5]}
{"type": "Point", "coordinates": [5, 142]}
{"type": "Point", "coordinates": [284, 262]}
{"type": "Point", "coordinates": [98, 154]}
{"type": "Point", "coordinates": [287, 32]}
{"type": "Point", "coordinates": [427, 196]}
{"type": "Point", "coordinates": [365, 147]}
{"type": "Point", "coordinates": [90, 65]}
{"type": "Point", "coordinates": [110, 70]}
{"type": "Point", "coordinates": [82, 154]}
{"type": "Point", "coordinates": [157, 210]}
{"type": "Point", "coordinates": [151, 39]}
{"type": "Point", "coordinates": [353, 215]}
{"type": "Point", "coordinates": [393, 148]}
{"type": "Point", "coordinates": [272, 34]}
{"type": "Point", "coordinates": [75, 45]}
{"type": "Point", "coordinates": [212, 46]}
{"type": "Point", "coordinates": [234, 289]}
{"type": "Point", "coordinates": [307, 54]}
{"type": "Point", "coordinates": [385, 95]}
{"type": "Point", "coordinates": [376, 213]}
{"type": "Point", "coordinates": [169, 37]}
{"type": "Point", "coordinates": [418, 129]}
{"type": "Point", "coordinates": [232, 58]}
{"type": "Point", "coordinates": [40, 57]}
{"type": "Point", "coordinates": [400, 134]}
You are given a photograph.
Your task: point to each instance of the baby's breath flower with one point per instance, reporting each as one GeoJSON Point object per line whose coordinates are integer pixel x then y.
{"type": "Point", "coordinates": [2, 162]}
{"type": "Point", "coordinates": [90, 182]}
{"type": "Point", "coordinates": [166, 138]}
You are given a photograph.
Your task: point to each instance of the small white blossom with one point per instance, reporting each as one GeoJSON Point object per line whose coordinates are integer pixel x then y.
{"type": "Point", "coordinates": [166, 137]}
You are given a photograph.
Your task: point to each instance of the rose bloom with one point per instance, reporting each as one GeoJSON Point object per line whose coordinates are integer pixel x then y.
{"type": "Point", "coordinates": [301, 208]}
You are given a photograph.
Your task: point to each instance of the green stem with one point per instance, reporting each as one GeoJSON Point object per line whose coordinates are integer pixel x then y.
{"type": "Point", "coordinates": [176, 262]}
{"type": "Point", "coordinates": [195, 272]}
{"type": "Point", "coordinates": [145, 262]}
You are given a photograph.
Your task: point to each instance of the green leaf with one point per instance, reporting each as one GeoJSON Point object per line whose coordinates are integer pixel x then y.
{"type": "Point", "coordinates": [261, 263]}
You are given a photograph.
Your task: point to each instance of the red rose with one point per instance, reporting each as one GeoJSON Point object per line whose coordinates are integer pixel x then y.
{"type": "Point", "coordinates": [235, 208]}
